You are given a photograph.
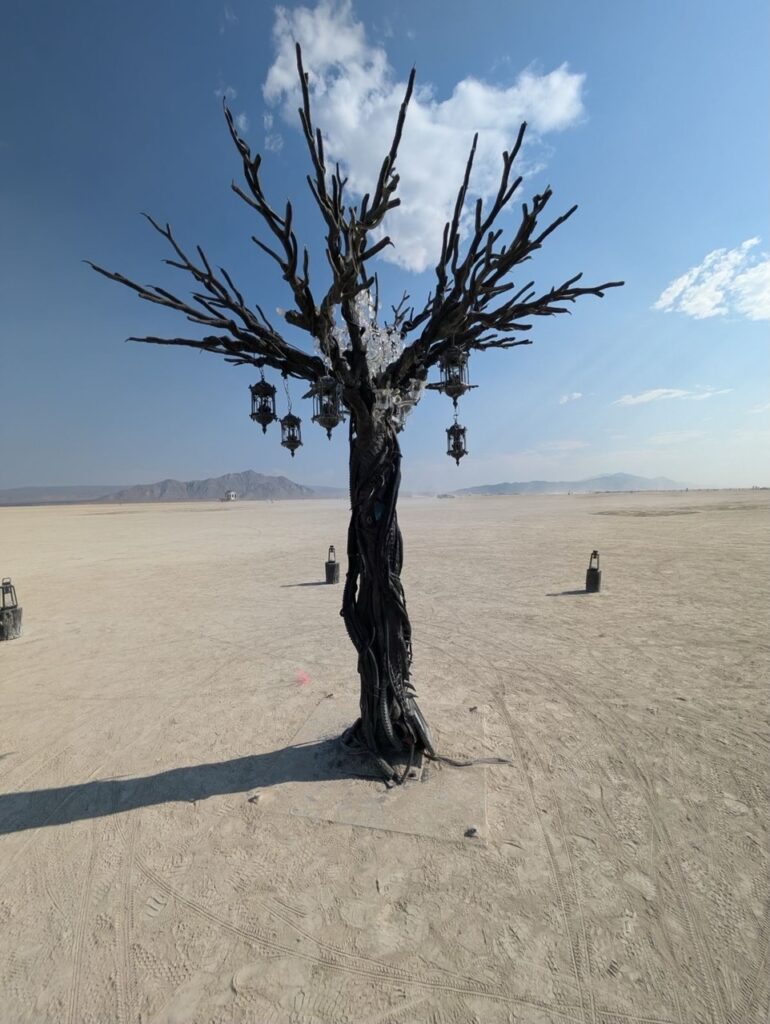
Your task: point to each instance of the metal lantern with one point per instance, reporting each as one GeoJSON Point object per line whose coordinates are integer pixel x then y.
{"type": "Point", "coordinates": [8, 597]}
{"type": "Point", "coordinates": [455, 442]}
{"type": "Point", "coordinates": [454, 382]}
{"type": "Point", "coordinates": [326, 393]}
{"type": "Point", "coordinates": [593, 574]}
{"type": "Point", "coordinates": [291, 433]}
{"type": "Point", "coordinates": [10, 612]}
{"type": "Point", "coordinates": [263, 403]}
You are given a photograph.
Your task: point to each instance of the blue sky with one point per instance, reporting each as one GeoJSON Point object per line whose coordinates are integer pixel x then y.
{"type": "Point", "coordinates": [653, 117]}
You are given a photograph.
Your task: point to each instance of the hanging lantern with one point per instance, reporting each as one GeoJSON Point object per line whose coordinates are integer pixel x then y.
{"type": "Point", "coordinates": [326, 393]}
{"type": "Point", "coordinates": [263, 403]}
{"type": "Point", "coordinates": [454, 382]}
{"type": "Point", "coordinates": [291, 432]}
{"type": "Point", "coordinates": [455, 442]}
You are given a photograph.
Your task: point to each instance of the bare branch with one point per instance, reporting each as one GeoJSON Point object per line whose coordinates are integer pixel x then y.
{"type": "Point", "coordinates": [466, 304]}
{"type": "Point", "coordinates": [249, 337]}
{"type": "Point", "coordinates": [347, 248]}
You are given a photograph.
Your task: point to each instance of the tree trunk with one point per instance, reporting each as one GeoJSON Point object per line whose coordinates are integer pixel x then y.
{"type": "Point", "coordinates": [391, 726]}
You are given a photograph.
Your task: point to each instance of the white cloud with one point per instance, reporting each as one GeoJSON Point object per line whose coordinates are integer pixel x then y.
{"type": "Point", "coordinates": [273, 140]}
{"type": "Point", "coordinates": [654, 395]}
{"type": "Point", "coordinates": [727, 281]}
{"type": "Point", "coordinates": [356, 98]}
{"type": "Point", "coordinates": [242, 123]}
{"type": "Point", "coordinates": [698, 396]}
{"type": "Point", "coordinates": [225, 92]}
{"type": "Point", "coordinates": [661, 394]}
{"type": "Point", "coordinates": [571, 397]}
{"type": "Point", "coordinates": [761, 408]}
{"type": "Point", "coordinates": [751, 290]}
{"type": "Point", "coordinates": [677, 436]}
{"type": "Point", "coordinates": [229, 17]}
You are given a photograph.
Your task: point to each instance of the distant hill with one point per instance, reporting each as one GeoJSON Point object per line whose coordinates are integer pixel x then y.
{"type": "Point", "coordinates": [613, 482]}
{"type": "Point", "coordinates": [249, 486]}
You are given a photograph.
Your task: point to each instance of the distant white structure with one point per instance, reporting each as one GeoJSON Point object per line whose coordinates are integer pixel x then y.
{"type": "Point", "coordinates": [230, 496]}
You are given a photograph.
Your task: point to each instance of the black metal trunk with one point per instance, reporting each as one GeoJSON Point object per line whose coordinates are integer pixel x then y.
{"type": "Point", "coordinates": [391, 725]}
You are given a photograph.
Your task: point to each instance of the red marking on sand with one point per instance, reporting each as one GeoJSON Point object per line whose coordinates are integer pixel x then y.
{"type": "Point", "coordinates": [302, 677]}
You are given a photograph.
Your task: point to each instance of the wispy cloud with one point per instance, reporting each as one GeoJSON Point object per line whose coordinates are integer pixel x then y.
{"type": "Point", "coordinates": [726, 281]}
{"type": "Point", "coordinates": [698, 396]}
{"type": "Point", "coordinates": [677, 436]}
{"type": "Point", "coordinates": [663, 394]}
{"type": "Point", "coordinates": [765, 407]}
{"type": "Point", "coordinates": [356, 97]}
{"type": "Point", "coordinates": [226, 92]}
{"type": "Point", "coordinates": [273, 139]}
{"type": "Point", "coordinates": [229, 17]}
{"type": "Point", "coordinates": [571, 397]}
{"type": "Point", "coordinates": [242, 122]}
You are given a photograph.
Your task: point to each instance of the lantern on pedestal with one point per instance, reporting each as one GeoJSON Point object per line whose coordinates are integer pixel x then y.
{"type": "Point", "coordinates": [455, 442]}
{"type": "Point", "coordinates": [263, 403]}
{"type": "Point", "coordinates": [291, 433]}
{"type": "Point", "coordinates": [326, 393]}
{"type": "Point", "coordinates": [10, 612]}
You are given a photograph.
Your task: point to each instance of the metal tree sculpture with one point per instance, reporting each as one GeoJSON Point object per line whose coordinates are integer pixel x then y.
{"type": "Point", "coordinates": [374, 373]}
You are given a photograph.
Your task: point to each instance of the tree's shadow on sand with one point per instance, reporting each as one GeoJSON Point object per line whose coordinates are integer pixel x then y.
{"type": "Point", "coordinates": [314, 583]}
{"type": "Point", "coordinates": [309, 762]}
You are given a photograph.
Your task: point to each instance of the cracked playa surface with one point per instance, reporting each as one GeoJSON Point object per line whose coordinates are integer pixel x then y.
{"type": "Point", "coordinates": [181, 842]}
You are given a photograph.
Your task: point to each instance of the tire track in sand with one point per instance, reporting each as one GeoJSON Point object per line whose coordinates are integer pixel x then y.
{"type": "Point", "coordinates": [556, 876]}
{"type": "Point", "coordinates": [612, 727]}
{"type": "Point", "coordinates": [125, 926]}
{"type": "Point", "coordinates": [366, 967]}
{"type": "Point", "coordinates": [80, 930]}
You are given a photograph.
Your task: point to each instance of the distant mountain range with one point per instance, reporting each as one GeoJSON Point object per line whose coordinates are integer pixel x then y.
{"type": "Point", "coordinates": [248, 486]}
{"type": "Point", "coordinates": [614, 482]}
{"type": "Point", "coordinates": [251, 486]}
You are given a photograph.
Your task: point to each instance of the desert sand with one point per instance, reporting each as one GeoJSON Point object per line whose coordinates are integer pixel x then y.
{"type": "Point", "coordinates": [181, 843]}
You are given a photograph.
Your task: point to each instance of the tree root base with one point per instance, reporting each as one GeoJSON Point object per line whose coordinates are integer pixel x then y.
{"type": "Point", "coordinates": [397, 766]}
